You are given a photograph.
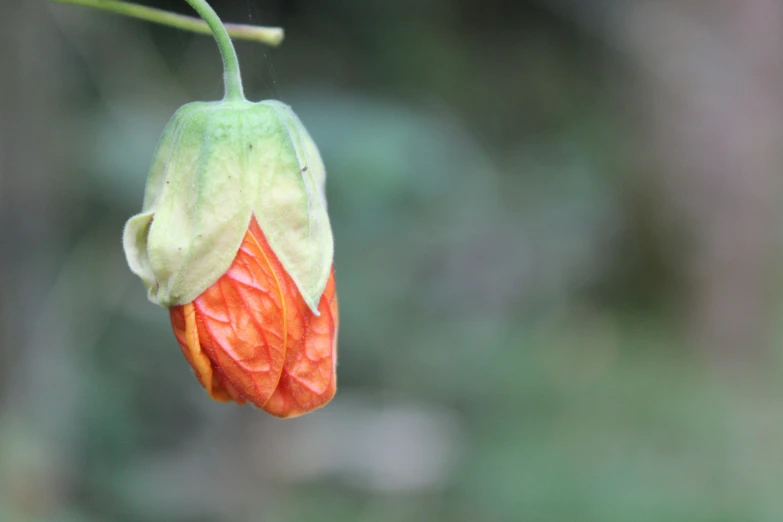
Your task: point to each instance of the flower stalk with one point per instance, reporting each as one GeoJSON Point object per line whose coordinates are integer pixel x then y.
{"type": "Point", "coordinates": [232, 77]}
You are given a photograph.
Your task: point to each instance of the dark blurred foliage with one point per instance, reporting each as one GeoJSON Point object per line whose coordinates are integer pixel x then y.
{"type": "Point", "coordinates": [557, 257]}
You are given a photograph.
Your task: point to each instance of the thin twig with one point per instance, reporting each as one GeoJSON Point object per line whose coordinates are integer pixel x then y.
{"type": "Point", "coordinates": [268, 35]}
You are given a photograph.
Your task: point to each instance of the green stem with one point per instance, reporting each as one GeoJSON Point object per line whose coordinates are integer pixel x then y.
{"type": "Point", "coordinates": [267, 35]}
{"type": "Point", "coordinates": [232, 79]}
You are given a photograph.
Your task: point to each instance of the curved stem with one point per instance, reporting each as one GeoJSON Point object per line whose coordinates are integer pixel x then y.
{"type": "Point", "coordinates": [232, 79]}
{"type": "Point", "coordinates": [267, 35]}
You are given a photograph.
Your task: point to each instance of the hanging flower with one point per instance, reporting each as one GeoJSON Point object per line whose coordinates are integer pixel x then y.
{"type": "Point", "coordinates": [234, 238]}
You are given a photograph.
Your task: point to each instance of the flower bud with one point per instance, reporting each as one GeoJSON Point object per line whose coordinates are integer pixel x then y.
{"type": "Point", "coordinates": [234, 238]}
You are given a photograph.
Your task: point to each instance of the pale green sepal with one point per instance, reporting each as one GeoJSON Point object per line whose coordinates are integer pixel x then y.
{"type": "Point", "coordinates": [134, 238]}
{"type": "Point", "coordinates": [134, 242]}
{"type": "Point", "coordinates": [291, 204]}
{"type": "Point", "coordinates": [161, 160]}
{"type": "Point", "coordinates": [216, 166]}
{"type": "Point", "coordinates": [200, 206]}
{"type": "Point", "coordinates": [205, 207]}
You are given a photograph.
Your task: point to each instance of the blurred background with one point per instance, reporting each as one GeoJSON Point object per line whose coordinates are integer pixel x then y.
{"type": "Point", "coordinates": [557, 250]}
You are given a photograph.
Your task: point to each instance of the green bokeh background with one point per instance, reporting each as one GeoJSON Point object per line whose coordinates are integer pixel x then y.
{"type": "Point", "coordinates": [526, 269]}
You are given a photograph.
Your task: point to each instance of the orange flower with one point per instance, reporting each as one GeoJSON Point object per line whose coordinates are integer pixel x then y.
{"type": "Point", "coordinates": [250, 337]}
{"type": "Point", "coordinates": [234, 239]}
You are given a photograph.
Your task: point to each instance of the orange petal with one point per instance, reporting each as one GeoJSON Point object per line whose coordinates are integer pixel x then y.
{"type": "Point", "coordinates": [183, 321]}
{"type": "Point", "coordinates": [309, 378]}
{"type": "Point", "coordinates": [252, 337]}
{"type": "Point", "coordinates": [242, 323]}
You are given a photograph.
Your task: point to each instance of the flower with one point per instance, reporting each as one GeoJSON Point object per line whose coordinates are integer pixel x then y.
{"type": "Point", "coordinates": [234, 238]}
